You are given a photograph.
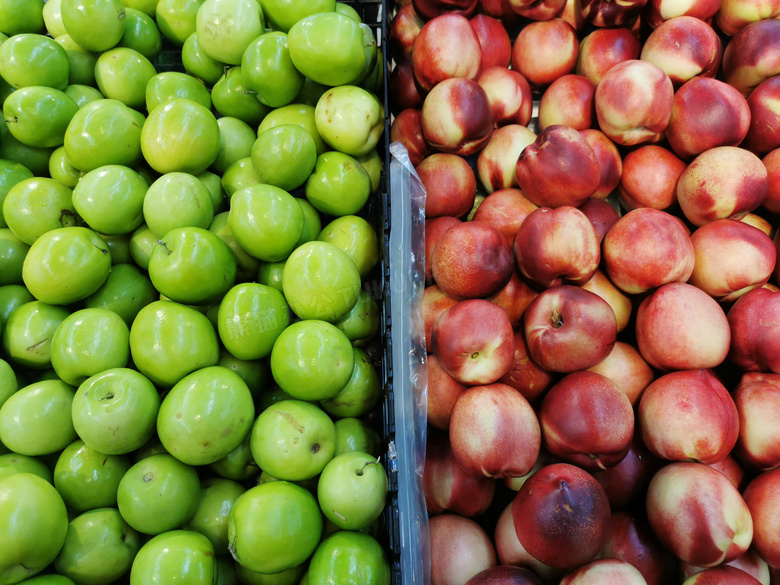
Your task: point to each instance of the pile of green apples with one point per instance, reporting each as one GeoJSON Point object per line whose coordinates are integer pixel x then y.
{"type": "Point", "coordinates": [190, 244]}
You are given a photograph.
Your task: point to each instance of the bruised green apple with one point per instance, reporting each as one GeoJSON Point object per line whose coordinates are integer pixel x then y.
{"type": "Point", "coordinates": [267, 69]}
{"type": "Point", "coordinates": [191, 265]}
{"type": "Point", "coordinates": [226, 27]}
{"type": "Point", "coordinates": [312, 360]}
{"type": "Point", "coordinates": [115, 411]}
{"type": "Point", "coordinates": [274, 527]}
{"type": "Point", "coordinates": [350, 119]}
{"type": "Point", "coordinates": [96, 25]}
{"type": "Point", "coordinates": [33, 525]}
{"type": "Point", "coordinates": [169, 340]}
{"type": "Point", "coordinates": [177, 556]}
{"type": "Point", "coordinates": [66, 265]}
{"type": "Point", "coordinates": [86, 478]}
{"type": "Point", "coordinates": [158, 494]}
{"type": "Point", "coordinates": [293, 440]}
{"type": "Point", "coordinates": [205, 415]}
{"type": "Point", "coordinates": [320, 281]}
{"type": "Point", "coordinates": [88, 342]}
{"type": "Point", "coordinates": [33, 59]}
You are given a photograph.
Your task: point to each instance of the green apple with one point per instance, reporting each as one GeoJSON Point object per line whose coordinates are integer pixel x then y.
{"type": "Point", "coordinates": [82, 94]}
{"type": "Point", "coordinates": [33, 59]}
{"type": "Point", "coordinates": [141, 33]}
{"type": "Point", "coordinates": [270, 397]}
{"type": "Point", "coordinates": [362, 392]}
{"type": "Point", "coordinates": [246, 265]}
{"type": "Point", "coordinates": [177, 556]}
{"type": "Point", "coordinates": [191, 265]}
{"type": "Point", "coordinates": [355, 434]}
{"type": "Point", "coordinates": [33, 525]}
{"type": "Point", "coordinates": [66, 265]}
{"type": "Point", "coordinates": [99, 548]}
{"type": "Point", "coordinates": [236, 139]}
{"type": "Point", "coordinates": [256, 374]}
{"type": "Point", "coordinates": [213, 183]}
{"type": "Point", "coordinates": [9, 383]}
{"type": "Point", "coordinates": [232, 98]}
{"type": "Point", "coordinates": [310, 93]}
{"type": "Point", "coordinates": [350, 119]}
{"type": "Point", "coordinates": [176, 200]}
{"type": "Point", "coordinates": [251, 318]}
{"type": "Point", "coordinates": [290, 576]}
{"type": "Point", "coordinates": [274, 527]}
{"type": "Point", "coordinates": [180, 135]}
{"type": "Point", "coordinates": [295, 113]}
{"type": "Point", "coordinates": [34, 206]}
{"type": "Point", "coordinates": [21, 16]}
{"type": "Point", "coordinates": [36, 419]}
{"type": "Point", "coordinates": [170, 85]}
{"type": "Point", "coordinates": [267, 69]}
{"type": "Point", "coordinates": [158, 494]}
{"type": "Point", "coordinates": [176, 19]}
{"type": "Point", "coordinates": [103, 132]}
{"type": "Point", "coordinates": [119, 246]}
{"type": "Point", "coordinates": [312, 222]}
{"type": "Point", "coordinates": [198, 64]}
{"type": "Point", "coordinates": [331, 48]}
{"type": "Point", "coordinates": [88, 342]}
{"type": "Point", "coordinates": [152, 447]}
{"type": "Point", "coordinates": [348, 10]}
{"type": "Point", "coordinates": [205, 416]}
{"type": "Point", "coordinates": [148, 7]}
{"type": "Point", "coordinates": [339, 185]}
{"type": "Point", "coordinates": [28, 331]}
{"type": "Point", "coordinates": [374, 165]}
{"type": "Point", "coordinates": [96, 25]}
{"type": "Point", "coordinates": [266, 221]}
{"type": "Point", "coordinates": [349, 558]}
{"type": "Point", "coordinates": [293, 440]}
{"type": "Point", "coordinates": [86, 478]}
{"type": "Point", "coordinates": [320, 281]}
{"type": "Point", "coordinates": [312, 360]}
{"type": "Point", "coordinates": [125, 292]}
{"type": "Point", "coordinates": [284, 156]}
{"type": "Point", "coordinates": [361, 324]}
{"type": "Point", "coordinates": [122, 74]}
{"type": "Point", "coordinates": [110, 199]}
{"type": "Point", "coordinates": [49, 579]}
{"type": "Point", "coordinates": [115, 411]}
{"type": "Point", "coordinates": [282, 14]}
{"type": "Point", "coordinates": [238, 465]}
{"type": "Point", "coordinates": [13, 463]}
{"type": "Point", "coordinates": [352, 490]}
{"type": "Point", "coordinates": [11, 173]}
{"type": "Point", "coordinates": [239, 175]}
{"type": "Point", "coordinates": [39, 116]}
{"type": "Point", "coordinates": [226, 27]}
{"type": "Point", "coordinates": [169, 340]}
{"type": "Point", "coordinates": [13, 251]}
{"type": "Point", "coordinates": [81, 63]}
{"type": "Point", "coordinates": [217, 497]}
{"type": "Point", "coordinates": [270, 274]}
{"type": "Point", "coordinates": [356, 237]}
{"type": "Point", "coordinates": [62, 170]}
{"type": "Point", "coordinates": [142, 243]}
{"type": "Point", "coordinates": [226, 571]}
{"type": "Point", "coordinates": [13, 296]}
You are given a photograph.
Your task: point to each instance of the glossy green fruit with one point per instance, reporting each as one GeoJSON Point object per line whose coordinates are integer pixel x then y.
{"type": "Point", "coordinates": [293, 440]}
{"type": "Point", "coordinates": [352, 490]}
{"type": "Point", "coordinates": [122, 74]}
{"type": "Point", "coordinates": [36, 419]}
{"type": "Point", "coordinates": [142, 243]}
{"type": "Point", "coordinates": [268, 70]}
{"type": "Point", "coordinates": [11, 173]}
{"type": "Point", "coordinates": [12, 254]}
{"type": "Point", "coordinates": [356, 237]}
{"type": "Point", "coordinates": [104, 132]}
{"type": "Point", "coordinates": [350, 119]}
{"type": "Point", "coordinates": [237, 465]}
{"type": "Point", "coordinates": [176, 19]}
{"type": "Point", "coordinates": [99, 547]}
{"type": "Point", "coordinates": [236, 139]}
{"type": "Point", "coordinates": [35, 206]}
{"type": "Point", "coordinates": [33, 525]}
{"type": "Point", "coordinates": [361, 393]}
{"type": "Point", "coordinates": [361, 324]}
{"type": "Point", "coordinates": [13, 463]}
{"type": "Point", "coordinates": [274, 527]}
{"type": "Point", "coordinates": [239, 175]}
{"type": "Point", "coordinates": [339, 185]}
{"type": "Point", "coordinates": [52, 18]}
{"type": "Point", "coordinates": [320, 281]}
{"type": "Point", "coordinates": [33, 59]}
{"type": "Point", "coordinates": [83, 94]}
{"type": "Point", "coordinates": [312, 222]}
{"type": "Point", "coordinates": [232, 98]}
{"type": "Point", "coordinates": [9, 383]}
{"type": "Point", "coordinates": [282, 14]}
{"type": "Point", "coordinates": [178, 556]}
{"type": "Point", "coordinates": [96, 25]}
{"type": "Point", "coordinates": [39, 116]}
{"type": "Point", "coordinates": [158, 494]}
{"type": "Point", "coordinates": [349, 558]}
{"type": "Point", "coordinates": [66, 265]}
{"type": "Point", "coordinates": [295, 113]}
{"type": "Point", "coordinates": [355, 434]}
{"type": "Point", "coordinates": [169, 340]}
{"type": "Point", "coordinates": [217, 497]}
{"type": "Point", "coordinates": [174, 84]}
{"type": "Point", "coordinates": [81, 63]}
{"type": "Point", "coordinates": [284, 156]}
{"type": "Point", "coordinates": [312, 360]}
{"type": "Point", "coordinates": [180, 135]}
{"type": "Point", "coordinates": [193, 266]}
{"type": "Point", "coordinates": [246, 265]}
{"type": "Point", "coordinates": [35, 159]}
{"type": "Point", "coordinates": [177, 200]}
{"type": "Point", "coordinates": [21, 16]}
{"type": "Point", "coordinates": [125, 292]}
{"type": "Point", "coordinates": [198, 64]}
{"type": "Point", "coordinates": [226, 27]}
{"type": "Point", "coordinates": [13, 296]}
{"type": "Point", "coordinates": [110, 199]}
{"type": "Point", "coordinates": [28, 331]}
{"type": "Point", "coordinates": [86, 478]}
{"type": "Point", "coordinates": [62, 170]}
{"type": "Point", "coordinates": [141, 33]}
{"type": "Point", "coordinates": [205, 416]}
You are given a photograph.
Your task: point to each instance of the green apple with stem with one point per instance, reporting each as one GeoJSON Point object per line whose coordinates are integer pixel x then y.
{"type": "Point", "coordinates": [267, 69]}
